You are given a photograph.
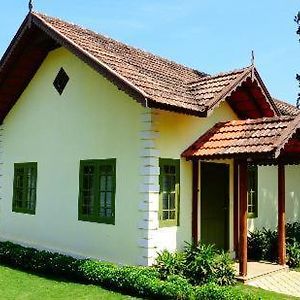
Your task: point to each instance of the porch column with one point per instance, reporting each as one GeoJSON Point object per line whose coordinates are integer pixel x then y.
{"type": "Point", "coordinates": [236, 208]}
{"type": "Point", "coordinates": [195, 202]}
{"type": "Point", "coordinates": [243, 182]}
{"type": "Point", "coordinates": [281, 215]}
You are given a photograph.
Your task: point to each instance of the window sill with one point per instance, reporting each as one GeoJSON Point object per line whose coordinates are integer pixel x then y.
{"type": "Point", "coordinates": [100, 221]}
{"type": "Point", "coordinates": [23, 211]}
{"type": "Point", "coordinates": [163, 224]}
{"type": "Point", "coordinates": [252, 216]}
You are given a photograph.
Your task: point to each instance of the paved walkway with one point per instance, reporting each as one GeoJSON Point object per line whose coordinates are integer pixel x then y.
{"type": "Point", "coordinates": [285, 282]}
{"type": "Point", "coordinates": [256, 269]}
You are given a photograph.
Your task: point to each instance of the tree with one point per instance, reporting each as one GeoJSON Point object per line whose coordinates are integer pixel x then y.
{"type": "Point", "coordinates": [297, 20]}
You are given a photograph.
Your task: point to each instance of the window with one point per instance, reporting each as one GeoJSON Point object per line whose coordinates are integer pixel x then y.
{"type": "Point", "coordinates": [97, 186]}
{"type": "Point", "coordinates": [24, 187]}
{"type": "Point", "coordinates": [61, 80]}
{"type": "Point", "coordinates": [169, 192]}
{"type": "Point", "coordinates": [252, 192]}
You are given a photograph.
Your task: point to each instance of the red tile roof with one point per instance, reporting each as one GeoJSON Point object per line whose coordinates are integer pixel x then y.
{"type": "Point", "coordinates": [163, 82]}
{"type": "Point", "coordinates": [244, 138]}
{"type": "Point", "coordinates": [158, 78]}
{"type": "Point", "coordinates": [209, 89]}
{"type": "Point", "coordinates": [285, 108]}
{"type": "Point", "coordinates": [153, 81]}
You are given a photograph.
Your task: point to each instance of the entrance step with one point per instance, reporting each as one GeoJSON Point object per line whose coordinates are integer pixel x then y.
{"type": "Point", "coordinates": [259, 269]}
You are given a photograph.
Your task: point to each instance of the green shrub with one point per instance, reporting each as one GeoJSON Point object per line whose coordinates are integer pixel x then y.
{"type": "Point", "coordinates": [293, 255]}
{"type": "Point", "coordinates": [224, 271]}
{"type": "Point", "coordinates": [139, 281]}
{"type": "Point", "coordinates": [214, 292]}
{"type": "Point", "coordinates": [168, 263]}
{"type": "Point", "coordinates": [256, 245]}
{"type": "Point", "coordinates": [44, 262]}
{"type": "Point", "coordinates": [271, 245]}
{"type": "Point", "coordinates": [263, 244]}
{"type": "Point", "coordinates": [199, 263]}
{"type": "Point", "coordinates": [293, 232]}
{"type": "Point", "coordinates": [204, 264]}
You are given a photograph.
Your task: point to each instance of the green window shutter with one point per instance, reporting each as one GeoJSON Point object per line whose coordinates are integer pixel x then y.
{"type": "Point", "coordinates": [87, 179]}
{"type": "Point", "coordinates": [97, 186]}
{"type": "Point", "coordinates": [169, 179]}
{"type": "Point", "coordinates": [24, 187]}
{"type": "Point", "coordinates": [252, 192]}
{"type": "Point", "coordinates": [107, 190]}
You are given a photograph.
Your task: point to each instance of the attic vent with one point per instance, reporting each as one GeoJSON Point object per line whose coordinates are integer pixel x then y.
{"type": "Point", "coordinates": [61, 81]}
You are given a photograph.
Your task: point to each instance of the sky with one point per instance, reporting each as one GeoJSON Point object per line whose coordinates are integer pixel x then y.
{"type": "Point", "coordinates": [211, 36]}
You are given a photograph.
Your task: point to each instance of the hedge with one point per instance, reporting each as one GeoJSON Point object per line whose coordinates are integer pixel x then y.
{"type": "Point", "coordinates": [263, 245]}
{"type": "Point", "coordinates": [137, 281]}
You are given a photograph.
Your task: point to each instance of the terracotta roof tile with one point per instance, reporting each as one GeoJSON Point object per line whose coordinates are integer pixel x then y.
{"type": "Point", "coordinates": [239, 137]}
{"type": "Point", "coordinates": [208, 88]}
{"type": "Point", "coordinates": [161, 80]}
{"type": "Point", "coordinates": [285, 108]}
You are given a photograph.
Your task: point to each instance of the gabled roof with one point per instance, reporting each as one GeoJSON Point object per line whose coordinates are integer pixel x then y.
{"type": "Point", "coordinates": [266, 137]}
{"type": "Point", "coordinates": [285, 108]}
{"type": "Point", "coordinates": [209, 90]}
{"type": "Point", "coordinates": [153, 81]}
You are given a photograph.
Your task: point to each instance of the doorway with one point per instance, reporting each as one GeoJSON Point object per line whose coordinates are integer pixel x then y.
{"type": "Point", "coordinates": [215, 204]}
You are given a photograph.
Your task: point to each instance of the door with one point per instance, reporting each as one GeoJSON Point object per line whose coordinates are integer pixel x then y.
{"type": "Point", "coordinates": [215, 204]}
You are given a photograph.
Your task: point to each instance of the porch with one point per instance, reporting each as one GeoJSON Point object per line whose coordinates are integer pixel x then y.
{"type": "Point", "coordinates": [258, 269]}
{"type": "Point", "coordinates": [267, 141]}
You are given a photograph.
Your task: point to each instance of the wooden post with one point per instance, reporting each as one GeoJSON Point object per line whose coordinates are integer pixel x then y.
{"type": "Point", "coordinates": [243, 182]}
{"type": "Point", "coordinates": [195, 202]}
{"type": "Point", "coordinates": [236, 208]}
{"type": "Point", "coordinates": [281, 215]}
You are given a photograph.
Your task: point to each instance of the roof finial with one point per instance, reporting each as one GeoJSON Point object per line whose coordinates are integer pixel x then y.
{"type": "Point", "coordinates": [252, 64]}
{"type": "Point", "coordinates": [30, 5]}
{"type": "Point", "coordinates": [252, 58]}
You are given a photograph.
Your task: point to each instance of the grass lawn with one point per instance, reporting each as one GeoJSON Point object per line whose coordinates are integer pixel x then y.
{"type": "Point", "coordinates": [16, 284]}
{"type": "Point", "coordinates": [263, 294]}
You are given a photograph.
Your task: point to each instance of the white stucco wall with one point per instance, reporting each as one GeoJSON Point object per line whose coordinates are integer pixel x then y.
{"type": "Point", "coordinates": [94, 120]}
{"type": "Point", "coordinates": [176, 132]}
{"type": "Point", "coordinates": [91, 120]}
{"type": "Point", "coordinates": [267, 197]}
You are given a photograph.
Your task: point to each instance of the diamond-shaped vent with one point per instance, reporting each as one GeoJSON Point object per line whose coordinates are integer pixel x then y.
{"type": "Point", "coordinates": [61, 81]}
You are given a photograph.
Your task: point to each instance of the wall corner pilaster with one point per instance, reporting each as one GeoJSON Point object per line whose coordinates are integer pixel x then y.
{"type": "Point", "coordinates": [149, 188]}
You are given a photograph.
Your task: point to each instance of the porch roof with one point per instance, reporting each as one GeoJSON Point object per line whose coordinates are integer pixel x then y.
{"type": "Point", "coordinates": [263, 138]}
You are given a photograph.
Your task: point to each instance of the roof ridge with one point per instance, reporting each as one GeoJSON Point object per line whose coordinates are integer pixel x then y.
{"type": "Point", "coordinates": [220, 74]}
{"type": "Point", "coordinates": [173, 62]}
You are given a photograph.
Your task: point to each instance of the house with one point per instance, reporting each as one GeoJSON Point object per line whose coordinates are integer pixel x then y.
{"type": "Point", "coordinates": [114, 153]}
